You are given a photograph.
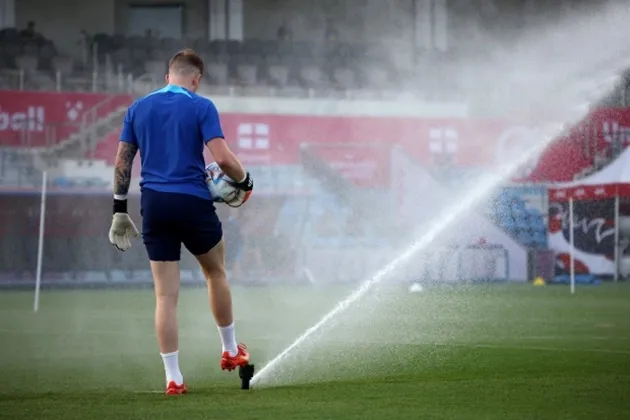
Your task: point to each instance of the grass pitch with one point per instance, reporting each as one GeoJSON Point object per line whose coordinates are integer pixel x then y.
{"type": "Point", "coordinates": [482, 352]}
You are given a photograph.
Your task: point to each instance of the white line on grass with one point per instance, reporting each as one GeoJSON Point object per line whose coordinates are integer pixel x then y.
{"type": "Point", "coordinates": [381, 343]}
{"type": "Point", "coordinates": [537, 348]}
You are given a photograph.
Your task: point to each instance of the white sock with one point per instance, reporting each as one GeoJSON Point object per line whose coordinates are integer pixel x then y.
{"type": "Point", "coordinates": [171, 367]}
{"type": "Point", "coordinates": [228, 339]}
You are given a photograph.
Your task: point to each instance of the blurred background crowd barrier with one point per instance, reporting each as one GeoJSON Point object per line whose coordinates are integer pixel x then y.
{"type": "Point", "coordinates": [349, 122]}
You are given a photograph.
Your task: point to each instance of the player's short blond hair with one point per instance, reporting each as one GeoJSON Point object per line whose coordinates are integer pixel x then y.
{"type": "Point", "coordinates": [186, 60]}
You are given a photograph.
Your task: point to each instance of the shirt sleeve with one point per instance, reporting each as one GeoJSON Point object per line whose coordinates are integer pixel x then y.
{"type": "Point", "coordinates": [209, 123]}
{"type": "Point", "coordinates": [128, 135]}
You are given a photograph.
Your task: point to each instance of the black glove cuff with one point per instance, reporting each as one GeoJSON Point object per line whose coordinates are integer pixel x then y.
{"type": "Point", "coordinates": [247, 184]}
{"type": "Point", "coordinates": [120, 206]}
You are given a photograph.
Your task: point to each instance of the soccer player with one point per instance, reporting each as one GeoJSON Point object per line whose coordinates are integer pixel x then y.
{"type": "Point", "coordinates": [170, 128]}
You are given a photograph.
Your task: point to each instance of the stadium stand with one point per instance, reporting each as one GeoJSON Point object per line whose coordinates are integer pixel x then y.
{"type": "Point", "coordinates": [287, 66]}
{"type": "Point", "coordinates": [525, 223]}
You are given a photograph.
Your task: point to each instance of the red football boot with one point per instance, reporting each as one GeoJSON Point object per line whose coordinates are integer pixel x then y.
{"type": "Point", "coordinates": [232, 362]}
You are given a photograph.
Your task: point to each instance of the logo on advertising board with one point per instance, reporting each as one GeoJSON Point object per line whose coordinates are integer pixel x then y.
{"type": "Point", "coordinates": [560, 194]}
{"type": "Point", "coordinates": [443, 140]}
{"type": "Point", "coordinates": [253, 136]}
{"type": "Point", "coordinates": [74, 110]}
{"type": "Point", "coordinates": [30, 119]}
{"type": "Point", "coordinates": [614, 132]}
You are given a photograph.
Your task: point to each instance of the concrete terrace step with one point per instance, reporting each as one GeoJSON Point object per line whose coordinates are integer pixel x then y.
{"type": "Point", "coordinates": [78, 143]}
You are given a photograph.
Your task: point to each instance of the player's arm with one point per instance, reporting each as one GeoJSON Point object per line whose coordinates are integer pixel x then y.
{"type": "Point", "coordinates": [123, 228]}
{"type": "Point", "coordinates": [122, 170]}
{"type": "Point", "coordinates": [227, 161]}
{"type": "Point", "coordinates": [215, 142]}
{"type": "Point", "coordinates": [127, 149]}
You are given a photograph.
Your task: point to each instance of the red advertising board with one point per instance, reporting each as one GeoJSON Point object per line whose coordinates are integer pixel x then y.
{"type": "Point", "coordinates": [359, 146]}
{"type": "Point", "coordinates": [277, 139]}
{"type": "Point", "coordinates": [467, 143]}
{"type": "Point", "coordinates": [41, 118]}
{"type": "Point", "coordinates": [572, 152]}
{"type": "Point", "coordinates": [365, 165]}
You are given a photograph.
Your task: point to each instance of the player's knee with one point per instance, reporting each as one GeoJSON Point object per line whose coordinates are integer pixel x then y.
{"type": "Point", "coordinates": [166, 280]}
{"type": "Point", "coordinates": [215, 273]}
{"type": "Point", "coordinates": [213, 263]}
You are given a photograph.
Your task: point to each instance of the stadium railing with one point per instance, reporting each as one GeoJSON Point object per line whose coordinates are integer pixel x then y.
{"type": "Point", "coordinates": [106, 82]}
{"type": "Point", "coordinates": [121, 82]}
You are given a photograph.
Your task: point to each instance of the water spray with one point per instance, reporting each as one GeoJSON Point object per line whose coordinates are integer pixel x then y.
{"type": "Point", "coordinates": [586, 30]}
{"type": "Point", "coordinates": [486, 186]}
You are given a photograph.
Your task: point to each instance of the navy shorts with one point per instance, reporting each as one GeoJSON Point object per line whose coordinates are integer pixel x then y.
{"type": "Point", "coordinates": [172, 219]}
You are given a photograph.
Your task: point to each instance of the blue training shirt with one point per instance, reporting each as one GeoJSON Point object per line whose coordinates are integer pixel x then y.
{"type": "Point", "coordinates": [171, 127]}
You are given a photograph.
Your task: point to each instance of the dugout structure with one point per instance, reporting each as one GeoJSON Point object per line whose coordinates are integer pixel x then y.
{"type": "Point", "coordinates": [449, 264]}
{"type": "Point", "coordinates": [468, 264]}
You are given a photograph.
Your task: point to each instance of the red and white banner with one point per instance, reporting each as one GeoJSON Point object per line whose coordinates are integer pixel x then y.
{"type": "Point", "coordinates": [589, 192]}
{"type": "Point", "coordinates": [465, 143]}
{"type": "Point", "coordinates": [28, 118]}
{"type": "Point", "coordinates": [32, 119]}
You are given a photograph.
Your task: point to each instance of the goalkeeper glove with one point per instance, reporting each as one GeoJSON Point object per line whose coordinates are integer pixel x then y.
{"type": "Point", "coordinates": [122, 229]}
{"type": "Point", "coordinates": [246, 186]}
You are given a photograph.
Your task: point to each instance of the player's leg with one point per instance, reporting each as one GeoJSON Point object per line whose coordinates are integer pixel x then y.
{"type": "Point", "coordinates": [219, 295]}
{"type": "Point", "coordinates": [213, 266]}
{"type": "Point", "coordinates": [166, 281]}
{"type": "Point", "coordinates": [204, 241]}
{"type": "Point", "coordinates": [163, 247]}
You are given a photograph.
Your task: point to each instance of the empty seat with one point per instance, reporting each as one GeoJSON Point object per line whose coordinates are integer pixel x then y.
{"type": "Point", "coordinates": [121, 56]}
{"type": "Point", "coordinates": [233, 47]}
{"type": "Point", "coordinates": [27, 62]}
{"type": "Point", "coordinates": [156, 68]}
{"type": "Point", "coordinates": [279, 75]}
{"type": "Point", "coordinates": [62, 65]}
{"type": "Point", "coordinates": [47, 51]}
{"type": "Point", "coordinates": [311, 75]}
{"type": "Point", "coordinates": [269, 47]}
{"type": "Point", "coordinates": [524, 237]}
{"type": "Point", "coordinates": [139, 54]}
{"type": "Point", "coordinates": [135, 41]}
{"type": "Point", "coordinates": [218, 47]}
{"type": "Point", "coordinates": [170, 45]}
{"type": "Point", "coordinates": [246, 74]}
{"type": "Point", "coordinates": [217, 73]}
{"type": "Point", "coordinates": [344, 77]}
{"type": "Point", "coordinates": [30, 48]}
{"type": "Point", "coordinates": [377, 78]}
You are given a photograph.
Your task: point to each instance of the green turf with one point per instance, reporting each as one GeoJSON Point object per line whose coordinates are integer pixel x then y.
{"type": "Point", "coordinates": [483, 352]}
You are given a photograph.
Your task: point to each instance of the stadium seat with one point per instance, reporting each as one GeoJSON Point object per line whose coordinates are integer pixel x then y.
{"type": "Point", "coordinates": [156, 69]}
{"type": "Point", "coordinates": [246, 74]}
{"type": "Point", "coordinates": [377, 77]}
{"type": "Point", "coordinates": [278, 75]}
{"type": "Point", "coordinates": [121, 57]}
{"type": "Point", "coordinates": [525, 238]}
{"type": "Point", "coordinates": [311, 76]}
{"type": "Point", "coordinates": [520, 220]}
{"type": "Point", "coordinates": [218, 73]}
{"type": "Point", "coordinates": [62, 64]}
{"type": "Point", "coordinates": [28, 63]}
{"type": "Point", "coordinates": [344, 78]}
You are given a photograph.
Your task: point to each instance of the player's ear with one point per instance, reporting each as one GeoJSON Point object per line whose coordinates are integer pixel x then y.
{"type": "Point", "coordinates": [166, 78]}
{"type": "Point", "coordinates": [196, 81]}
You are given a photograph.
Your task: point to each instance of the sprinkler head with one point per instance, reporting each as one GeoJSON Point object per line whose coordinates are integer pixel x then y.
{"type": "Point", "coordinates": [245, 373]}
